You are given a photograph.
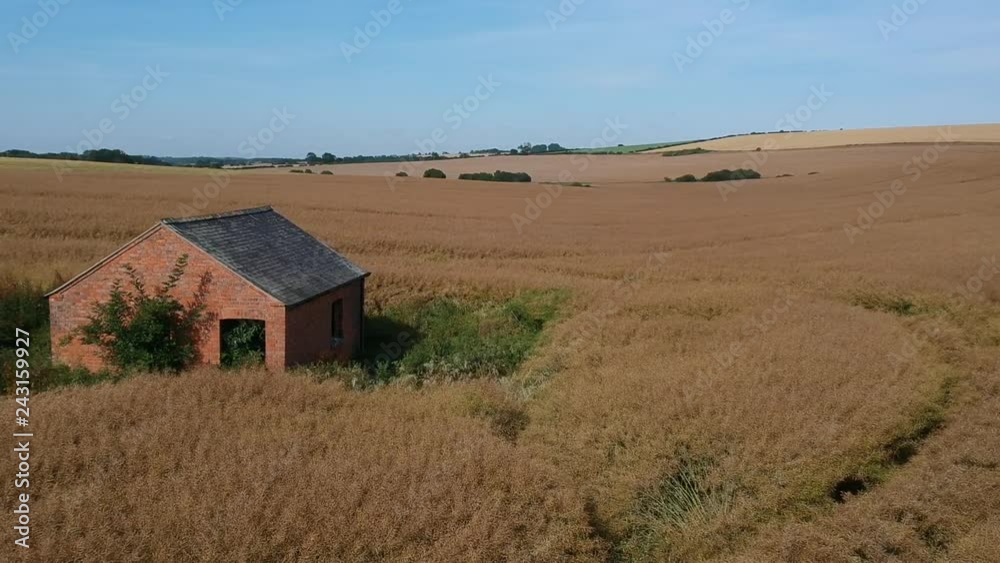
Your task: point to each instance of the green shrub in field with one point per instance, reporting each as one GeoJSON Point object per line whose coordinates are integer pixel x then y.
{"type": "Point", "coordinates": [686, 178]}
{"type": "Point", "coordinates": [464, 340]}
{"type": "Point", "coordinates": [308, 171]}
{"type": "Point", "coordinates": [296, 171]}
{"type": "Point", "coordinates": [480, 176]}
{"type": "Point", "coordinates": [726, 175]}
{"type": "Point", "coordinates": [326, 173]}
{"type": "Point", "coordinates": [447, 338]}
{"type": "Point", "coordinates": [498, 176]}
{"type": "Point", "coordinates": [402, 175]}
{"type": "Point", "coordinates": [139, 331]}
{"type": "Point", "coordinates": [435, 173]}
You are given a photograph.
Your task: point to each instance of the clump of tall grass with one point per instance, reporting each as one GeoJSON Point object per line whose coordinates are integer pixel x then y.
{"type": "Point", "coordinates": [682, 499]}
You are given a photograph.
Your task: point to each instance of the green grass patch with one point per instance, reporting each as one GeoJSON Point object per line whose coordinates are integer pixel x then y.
{"type": "Point", "coordinates": [449, 339]}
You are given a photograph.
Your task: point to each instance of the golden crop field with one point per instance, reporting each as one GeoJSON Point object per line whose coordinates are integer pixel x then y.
{"type": "Point", "coordinates": [985, 133]}
{"type": "Point", "coordinates": [774, 370]}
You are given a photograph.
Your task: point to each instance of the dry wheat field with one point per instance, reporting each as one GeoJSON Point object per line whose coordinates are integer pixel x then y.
{"type": "Point", "coordinates": [981, 133]}
{"type": "Point", "coordinates": [747, 372]}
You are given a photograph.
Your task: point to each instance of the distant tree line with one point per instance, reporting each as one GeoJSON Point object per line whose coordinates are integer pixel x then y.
{"type": "Point", "coordinates": [96, 155]}
{"type": "Point", "coordinates": [328, 158]}
{"type": "Point", "coordinates": [528, 148]}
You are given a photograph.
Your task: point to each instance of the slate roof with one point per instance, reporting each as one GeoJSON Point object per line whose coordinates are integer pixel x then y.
{"type": "Point", "coordinates": [270, 252]}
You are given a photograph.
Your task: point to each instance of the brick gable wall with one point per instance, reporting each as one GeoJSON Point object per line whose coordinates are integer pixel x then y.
{"type": "Point", "coordinates": [228, 296]}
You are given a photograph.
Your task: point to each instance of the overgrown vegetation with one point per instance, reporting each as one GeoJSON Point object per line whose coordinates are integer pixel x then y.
{"type": "Point", "coordinates": [435, 173]}
{"type": "Point", "coordinates": [243, 343]}
{"type": "Point", "coordinates": [685, 497]}
{"type": "Point", "coordinates": [141, 331]}
{"type": "Point", "coordinates": [449, 339]}
{"type": "Point", "coordinates": [686, 178]}
{"type": "Point", "coordinates": [498, 176]}
{"type": "Point", "coordinates": [23, 305]}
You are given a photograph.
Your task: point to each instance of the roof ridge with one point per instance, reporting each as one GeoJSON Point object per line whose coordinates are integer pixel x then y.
{"type": "Point", "coordinates": [224, 215]}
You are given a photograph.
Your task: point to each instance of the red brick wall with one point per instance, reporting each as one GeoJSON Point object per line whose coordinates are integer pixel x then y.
{"type": "Point", "coordinates": [309, 327]}
{"type": "Point", "coordinates": [228, 296]}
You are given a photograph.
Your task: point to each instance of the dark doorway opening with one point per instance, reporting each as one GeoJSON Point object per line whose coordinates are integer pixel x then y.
{"type": "Point", "coordinates": [243, 343]}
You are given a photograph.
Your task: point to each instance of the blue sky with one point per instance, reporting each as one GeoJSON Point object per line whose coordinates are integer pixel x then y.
{"type": "Point", "coordinates": [222, 77]}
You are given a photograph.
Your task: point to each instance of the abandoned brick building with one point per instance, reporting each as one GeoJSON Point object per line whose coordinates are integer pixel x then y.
{"type": "Point", "coordinates": [250, 266]}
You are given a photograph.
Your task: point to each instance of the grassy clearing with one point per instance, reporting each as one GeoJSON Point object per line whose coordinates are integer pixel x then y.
{"type": "Point", "coordinates": [448, 339]}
